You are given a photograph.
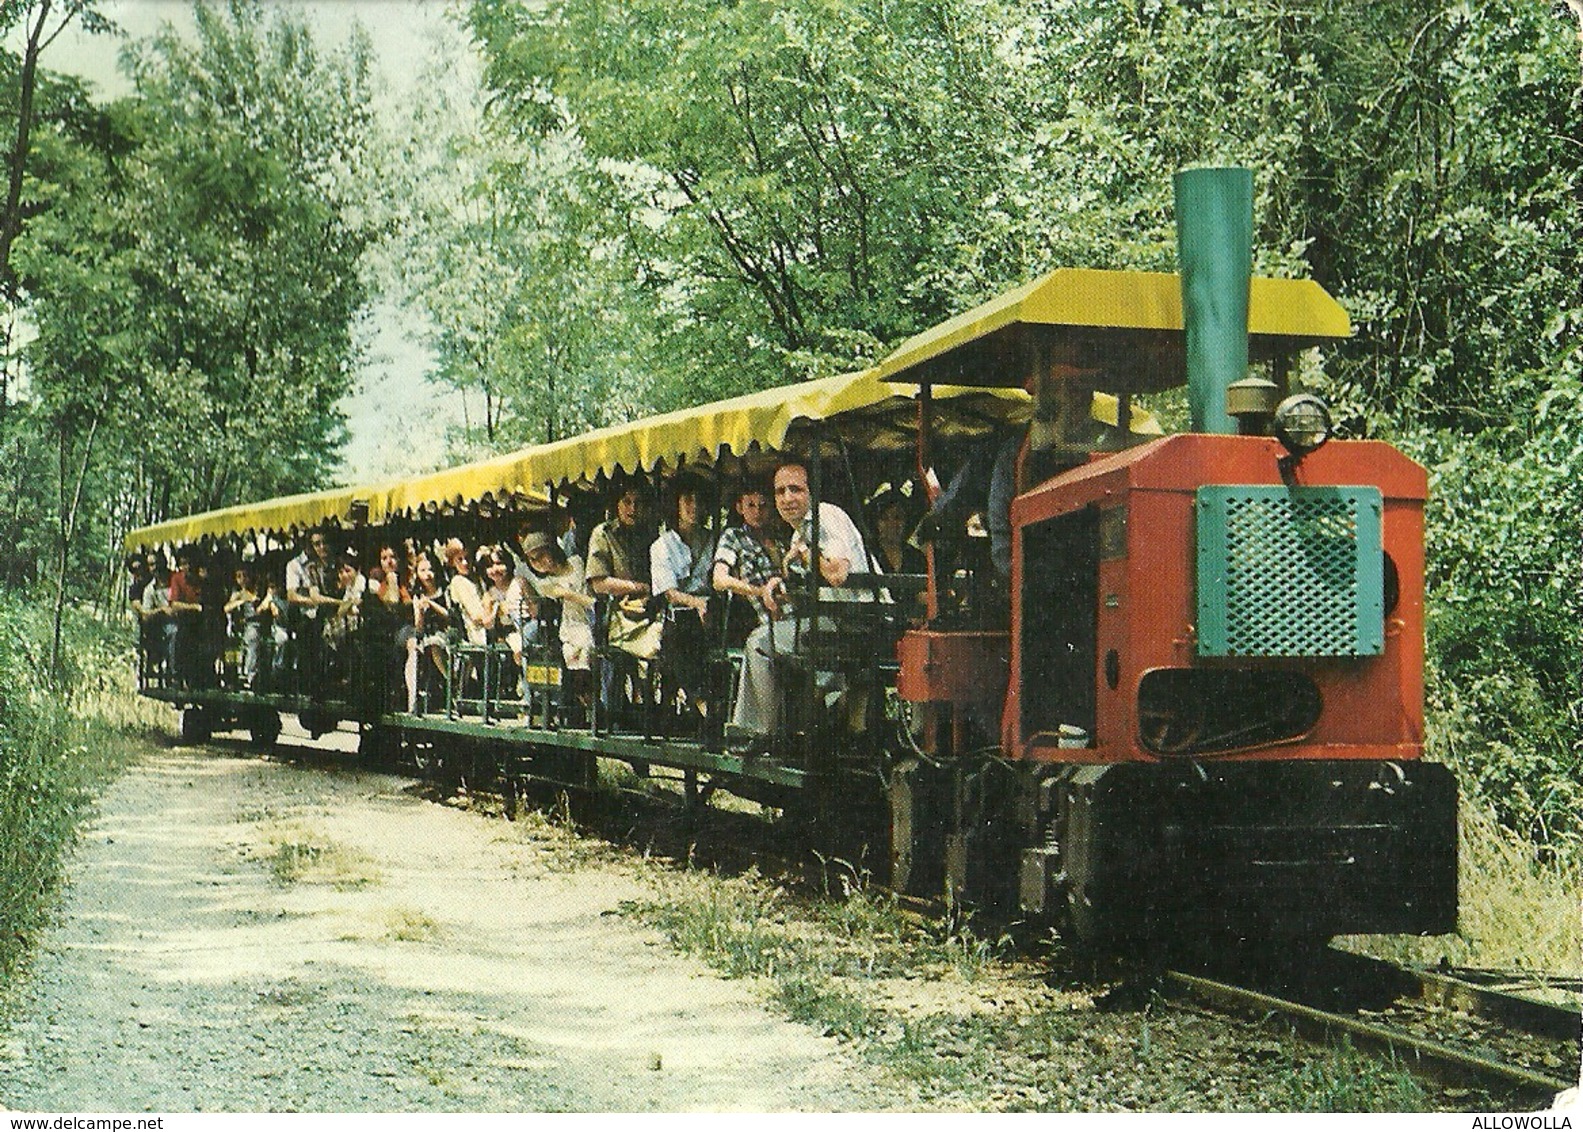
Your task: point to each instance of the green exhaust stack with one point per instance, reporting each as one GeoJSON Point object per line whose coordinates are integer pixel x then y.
{"type": "Point", "coordinates": [1214, 239]}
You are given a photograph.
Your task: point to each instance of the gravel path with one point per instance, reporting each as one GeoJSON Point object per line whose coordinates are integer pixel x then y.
{"type": "Point", "coordinates": [242, 935]}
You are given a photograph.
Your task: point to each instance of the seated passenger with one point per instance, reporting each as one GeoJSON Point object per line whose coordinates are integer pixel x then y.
{"type": "Point", "coordinates": [272, 611]}
{"type": "Point", "coordinates": [158, 620]}
{"type": "Point", "coordinates": [342, 630]}
{"type": "Point", "coordinates": [680, 561]}
{"type": "Point", "coordinates": [558, 577]}
{"type": "Point", "coordinates": [511, 608]}
{"type": "Point", "coordinates": [618, 567]}
{"type": "Point", "coordinates": [463, 595]}
{"type": "Point", "coordinates": [246, 623]}
{"type": "Point", "coordinates": [386, 610]}
{"type": "Point", "coordinates": [893, 551]}
{"type": "Point", "coordinates": [431, 618]}
{"type": "Point", "coordinates": [309, 592]}
{"type": "Point", "coordinates": [896, 555]}
{"type": "Point", "coordinates": [749, 557]}
{"type": "Point", "coordinates": [190, 647]}
{"type": "Point", "coordinates": [138, 573]}
{"type": "Point", "coordinates": [150, 639]}
{"type": "Point", "coordinates": [839, 553]}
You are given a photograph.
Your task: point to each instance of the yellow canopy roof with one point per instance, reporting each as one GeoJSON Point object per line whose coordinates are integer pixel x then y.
{"type": "Point", "coordinates": [1123, 326]}
{"type": "Point", "coordinates": [691, 434]}
{"type": "Point", "coordinates": [280, 516]}
{"type": "Point", "coordinates": [867, 412]}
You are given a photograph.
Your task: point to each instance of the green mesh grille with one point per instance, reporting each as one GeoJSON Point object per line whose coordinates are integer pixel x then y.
{"type": "Point", "coordinates": [1289, 571]}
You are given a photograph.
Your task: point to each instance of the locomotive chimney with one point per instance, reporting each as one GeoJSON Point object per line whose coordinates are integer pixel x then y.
{"type": "Point", "coordinates": [1214, 240]}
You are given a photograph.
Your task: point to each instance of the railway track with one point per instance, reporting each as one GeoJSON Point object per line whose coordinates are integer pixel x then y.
{"type": "Point", "coordinates": [1447, 1027]}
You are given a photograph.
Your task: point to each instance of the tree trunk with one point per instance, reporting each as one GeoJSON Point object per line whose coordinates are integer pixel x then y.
{"type": "Point", "coordinates": [11, 220]}
{"type": "Point", "coordinates": [66, 528]}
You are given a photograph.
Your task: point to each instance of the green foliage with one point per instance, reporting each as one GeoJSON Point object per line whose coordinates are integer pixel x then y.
{"type": "Point", "coordinates": [53, 751]}
{"type": "Point", "coordinates": [804, 184]}
{"type": "Point", "coordinates": [194, 274]}
{"type": "Point", "coordinates": [1505, 606]}
{"type": "Point", "coordinates": [788, 177]}
{"type": "Point", "coordinates": [499, 248]}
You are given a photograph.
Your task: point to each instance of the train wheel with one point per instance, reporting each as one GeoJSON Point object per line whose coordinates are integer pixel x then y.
{"type": "Point", "coordinates": [379, 748]}
{"type": "Point", "coordinates": [264, 729]}
{"type": "Point", "coordinates": [194, 727]}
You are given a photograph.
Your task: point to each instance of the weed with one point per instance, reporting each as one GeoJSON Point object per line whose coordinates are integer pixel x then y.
{"type": "Point", "coordinates": [821, 1002]}
{"type": "Point", "coordinates": [58, 744]}
{"type": "Point", "coordinates": [301, 856]}
{"type": "Point", "coordinates": [906, 994]}
{"type": "Point", "coordinates": [1352, 1082]}
{"type": "Point", "coordinates": [1516, 909]}
{"type": "Point", "coordinates": [409, 925]}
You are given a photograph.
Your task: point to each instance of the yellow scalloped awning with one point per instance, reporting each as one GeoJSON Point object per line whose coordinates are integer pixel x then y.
{"type": "Point", "coordinates": [689, 434]}
{"type": "Point", "coordinates": [866, 411]}
{"type": "Point", "coordinates": [278, 516]}
{"type": "Point", "coordinates": [1124, 325]}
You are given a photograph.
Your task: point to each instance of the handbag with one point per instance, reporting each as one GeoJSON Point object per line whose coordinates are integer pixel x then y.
{"type": "Point", "coordinates": [634, 632]}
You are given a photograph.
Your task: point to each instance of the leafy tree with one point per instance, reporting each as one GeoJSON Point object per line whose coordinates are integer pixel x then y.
{"type": "Point", "coordinates": [42, 22]}
{"type": "Point", "coordinates": [788, 176]}
{"type": "Point", "coordinates": [196, 284]}
{"type": "Point", "coordinates": [803, 184]}
{"type": "Point", "coordinates": [534, 310]}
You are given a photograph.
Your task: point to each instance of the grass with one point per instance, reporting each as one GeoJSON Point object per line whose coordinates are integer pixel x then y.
{"type": "Point", "coordinates": [968, 1025]}
{"type": "Point", "coordinates": [408, 925]}
{"type": "Point", "coordinates": [58, 744]}
{"type": "Point", "coordinates": [298, 855]}
{"type": "Point", "coordinates": [1517, 910]}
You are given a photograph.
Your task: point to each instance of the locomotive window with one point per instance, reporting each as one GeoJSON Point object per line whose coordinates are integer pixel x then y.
{"type": "Point", "coordinates": [1199, 711]}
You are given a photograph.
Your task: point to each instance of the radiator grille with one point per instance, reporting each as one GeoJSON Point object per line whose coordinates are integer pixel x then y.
{"type": "Point", "coordinates": [1289, 571]}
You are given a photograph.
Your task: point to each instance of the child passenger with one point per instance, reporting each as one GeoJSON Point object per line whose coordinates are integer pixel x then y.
{"type": "Point", "coordinates": [246, 622]}
{"type": "Point", "coordinates": [431, 617]}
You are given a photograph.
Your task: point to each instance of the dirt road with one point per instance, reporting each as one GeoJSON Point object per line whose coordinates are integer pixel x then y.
{"type": "Point", "coordinates": [243, 935]}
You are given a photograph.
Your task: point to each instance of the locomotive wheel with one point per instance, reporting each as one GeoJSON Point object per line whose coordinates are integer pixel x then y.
{"type": "Point", "coordinates": [194, 727]}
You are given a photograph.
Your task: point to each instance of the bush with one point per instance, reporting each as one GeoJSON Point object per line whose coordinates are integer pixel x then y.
{"type": "Point", "coordinates": [1503, 611]}
{"type": "Point", "coordinates": [52, 754]}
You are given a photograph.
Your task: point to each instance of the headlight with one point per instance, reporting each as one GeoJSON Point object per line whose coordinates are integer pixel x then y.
{"type": "Point", "coordinates": [1302, 423]}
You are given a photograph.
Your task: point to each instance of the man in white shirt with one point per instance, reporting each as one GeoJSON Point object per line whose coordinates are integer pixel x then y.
{"type": "Point", "coordinates": [840, 553]}
{"type": "Point", "coordinates": [309, 589]}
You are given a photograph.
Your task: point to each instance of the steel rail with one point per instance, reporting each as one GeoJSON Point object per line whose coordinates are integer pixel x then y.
{"type": "Point", "coordinates": [1447, 990]}
{"type": "Point", "coordinates": [1432, 1057]}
